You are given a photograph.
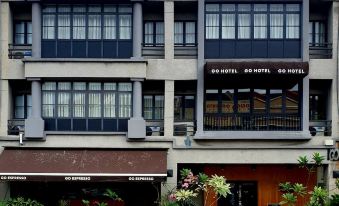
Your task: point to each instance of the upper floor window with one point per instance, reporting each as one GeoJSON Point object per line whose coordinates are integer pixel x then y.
{"type": "Point", "coordinates": [87, 22]}
{"type": "Point", "coordinates": [23, 32]}
{"type": "Point", "coordinates": [154, 33]}
{"type": "Point", "coordinates": [252, 21]}
{"type": "Point", "coordinates": [154, 107]}
{"type": "Point", "coordinates": [184, 33]}
{"type": "Point", "coordinates": [317, 33]}
{"type": "Point", "coordinates": [22, 106]}
{"type": "Point", "coordinates": [184, 107]}
{"type": "Point", "coordinates": [83, 103]}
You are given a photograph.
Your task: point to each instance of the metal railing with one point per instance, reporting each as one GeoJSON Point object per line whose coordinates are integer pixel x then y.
{"type": "Point", "coordinates": [19, 51]}
{"type": "Point", "coordinates": [252, 122]}
{"type": "Point", "coordinates": [320, 50]}
{"type": "Point", "coordinates": [320, 127]}
{"type": "Point", "coordinates": [183, 128]}
{"type": "Point", "coordinates": [185, 52]}
{"type": "Point", "coordinates": [15, 126]}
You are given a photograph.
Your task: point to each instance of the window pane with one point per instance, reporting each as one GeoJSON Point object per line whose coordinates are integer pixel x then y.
{"type": "Point", "coordinates": [78, 105]}
{"type": "Point", "coordinates": [19, 111]}
{"type": "Point", "coordinates": [159, 107]}
{"type": "Point", "coordinates": [260, 26]}
{"type": "Point", "coordinates": [48, 23]}
{"type": "Point", "coordinates": [148, 107]}
{"type": "Point", "coordinates": [64, 24]}
{"type": "Point", "coordinates": [29, 33]}
{"type": "Point", "coordinates": [159, 32]}
{"type": "Point", "coordinates": [64, 85]}
{"type": "Point", "coordinates": [109, 86]}
{"type": "Point", "coordinates": [29, 105]}
{"type": "Point", "coordinates": [244, 23]}
{"type": "Point", "coordinates": [276, 100]}
{"type": "Point", "coordinates": [292, 100]}
{"type": "Point", "coordinates": [94, 86]}
{"type": "Point", "coordinates": [63, 104]}
{"type": "Point", "coordinates": [277, 26]}
{"type": "Point", "coordinates": [179, 32]}
{"type": "Point", "coordinates": [20, 27]}
{"type": "Point", "coordinates": [49, 86]}
{"type": "Point", "coordinates": [148, 38]}
{"type": "Point", "coordinates": [228, 26]}
{"type": "Point", "coordinates": [276, 7]}
{"type": "Point", "coordinates": [190, 33]}
{"type": "Point", "coordinates": [244, 7]}
{"type": "Point", "coordinates": [212, 7]}
{"type": "Point", "coordinates": [109, 8]}
{"type": "Point", "coordinates": [259, 101]}
{"type": "Point", "coordinates": [212, 26]}
{"type": "Point", "coordinates": [109, 27]}
{"type": "Point", "coordinates": [178, 108]}
{"type": "Point", "coordinates": [211, 101]}
{"type": "Point", "coordinates": [48, 101]}
{"type": "Point", "coordinates": [227, 101]}
{"type": "Point", "coordinates": [109, 105]}
{"type": "Point", "coordinates": [260, 7]}
{"type": "Point", "coordinates": [228, 7]}
{"type": "Point", "coordinates": [125, 87]}
{"type": "Point", "coordinates": [125, 22]}
{"type": "Point", "coordinates": [49, 9]}
{"type": "Point", "coordinates": [189, 107]}
{"type": "Point", "coordinates": [125, 103]}
{"type": "Point", "coordinates": [79, 86]}
{"type": "Point", "coordinates": [292, 7]}
{"type": "Point", "coordinates": [64, 8]}
{"type": "Point", "coordinates": [94, 105]}
{"type": "Point", "coordinates": [244, 96]}
{"type": "Point", "coordinates": [292, 26]}
{"type": "Point", "coordinates": [79, 26]}
{"type": "Point", "coordinates": [94, 27]}
{"type": "Point", "coordinates": [94, 8]}
{"type": "Point", "coordinates": [79, 9]}
{"type": "Point", "coordinates": [125, 9]}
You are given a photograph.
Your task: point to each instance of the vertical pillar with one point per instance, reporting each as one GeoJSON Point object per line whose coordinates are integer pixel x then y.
{"type": "Point", "coordinates": [36, 30]}
{"type": "Point", "coordinates": [5, 106]}
{"type": "Point", "coordinates": [34, 125]}
{"type": "Point", "coordinates": [137, 30]}
{"type": "Point", "coordinates": [169, 108]}
{"type": "Point", "coordinates": [169, 28]}
{"type": "Point", "coordinates": [200, 69]}
{"type": "Point", "coordinates": [137, 124]}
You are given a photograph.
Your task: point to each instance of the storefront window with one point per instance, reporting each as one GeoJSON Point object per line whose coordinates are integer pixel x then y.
{"type": "Point", "coordinates": [211, 104]}
{"type": "Point", "coordinates": [276, 101]}
{"type": "Point", "coordinates": [244, 100]}
{"type": "Point", "coordinates": [227, 100]}
{"type": "Point", "coordinates": [259, 101]}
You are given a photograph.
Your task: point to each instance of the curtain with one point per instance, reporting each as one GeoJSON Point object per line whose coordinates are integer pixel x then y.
{"type": "Point", "coordinates": [244, 23]}
{"type": "Point", "coordinates": [94, 105]}
{"type": "Point", "coordinates": [190, 33]}
{"type": "Point", "coordinates": [125, 87]}
{"type": "Point", "coordinates": [159, 107]}
{"type": "Point", "coordinates": [228, 26]}
{"type": "Point", "coordinates": [48, 102]}
{"type": "Point", "coordinates": [276, 7]}
{"type": "Point", "coordinates": [292, 26]}
{"type": "Point", "coordinates": [79, 26]}
{"type": "Point", "coordinates": [260, 26]}
{"type": "Point", "coordinates": [94, 26]}
{"type": "Point", "coordinates": [109, 86]}
{"type": "Point", "coordinates": [148, 105]}
{"type": "Point", "coordinates": [79, 9]}
{"type": "Point", "coordinates": [125, 102]}
{"type": "Point", "coordinates": [148, 33]}
{"type": "Point", "coordinates": [94, 86]}
{"type": "Point", "coordinates": [78, 104]}
{"type": "Point", "coordinates": [159, 32]}
{"type": "Point", "coordinates": [178, 33]}
{"type": "Point", "coordinates": [64, 86]}
{"type": "Point", "coordinates": [109, 27]}
{"type": "Point", "coordinates": [48, 23]}
{"type": "Point", "coordinates": [64, 26]}
{"type": "Point", "coordinates": [79, 86]}
{"type": "Point", "coordinates": [277, 26]}
{"type": "Point", "coordinates": [49, 86]}
{"type": "Point", "coordinates": [125, 27]}
{"type": "Point", "coordinates": [228, 7]}
{"type": "Point", "coordinates": [63, 104]}
{"type": "Point", "coordinates": [260, 7]}
{"type": "Point", "coordinates": [109, 105]}
{"type": "Point", "coordinates": [212, 26]}
{"type": "Point", "coordinates": [212, 7]}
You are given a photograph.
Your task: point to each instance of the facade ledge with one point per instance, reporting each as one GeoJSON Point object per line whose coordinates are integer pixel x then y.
{"type": "Point", "coordinates": [131, 60]}
{"type": "Point", "coordinates": [83, 133]}
{"type": "Point", "coordinates": [252, 135]}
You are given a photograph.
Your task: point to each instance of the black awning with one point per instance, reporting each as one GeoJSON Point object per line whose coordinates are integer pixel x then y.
{"type": "Point", "coordinates": [83, 165]}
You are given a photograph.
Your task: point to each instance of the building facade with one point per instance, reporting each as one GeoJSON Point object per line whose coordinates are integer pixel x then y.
{"type": "Point", "coordinates": [124, 94]}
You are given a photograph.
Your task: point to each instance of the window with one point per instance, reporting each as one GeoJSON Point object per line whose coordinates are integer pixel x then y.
{"type": "Point", "coordinates": [317, 33]}
{"type": "Point", "coordinates": [86, 103]}
{"type": "Point", "coordinates": [184, 33]}
{"type": "Point", "coordinates": [23, 32]}
{"type": "Point", "coordinates": [184, 108]}
{"type": "Point", "coordinates": [154, 107]}
{"type": "Point", "coordinates": [154, 33]}
{"type": "Point", "coordinates": [266, 21]}
{"type": "Point", "coordinates": [64, 22]}
{"type": "Point", "coordinates": [23, 106]}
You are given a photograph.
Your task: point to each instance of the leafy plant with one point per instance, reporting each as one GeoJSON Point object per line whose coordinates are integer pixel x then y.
{"type": "Point", "coordinates": [289, 199]}
{"type": "Point", "coordinates": [112, 195]}
{"type": "Point", "coordinates": [85, 202]}
{"type": "Point", "coordinates": [318, 197]}
{"type": "Point", "coordinates": [100, 203]}
{"type": "Point", "coordinates": [21, 201]}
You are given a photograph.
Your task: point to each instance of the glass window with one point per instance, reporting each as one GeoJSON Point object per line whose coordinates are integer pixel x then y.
{"type": "Point", "coordinates": [125, 27]}
{"type": "Point", "coordinates": [276, 101]}
{"type": "Point", "coordinates": [227, 101]}
{"type": "Point", "coordinates": [79, 26]}
{"type": "Point", "coordinates": [79, 9]}
{"type": "Point", "coordinates": [189, 108]}
{"type": "Point", "coordinates": [29, 33]}
{"type": "Point", "coordinates": [211, 103]}
{"type": "Point", "coordinates": [64, 25]}
{"type": "Point", "coordinates": [184, 107]}
{"type": "Point", "coordinates": [276, 26]}
{"type": "Point", "coordinates": [159, 107]}
{"type": "Point", "coordinates": [154, 33]}
{"type": "Point", "coordinates": [179, 33]}
{"type": "Point", "coordinates": [292, 100]}
{"type": "Point", "coordinates": [244, 100]}
{"type": "Point", "coordinates": [148, 107]}
{"type": "Point", "coordinates": [244, 7]}
{"type": "Point", "coordinates": [292, 26]}
{"type": "Point", "coordinates": [19, 33]}
{"type": "Point", "coordinates": [276, 7]}
{"type": "Point", "coordinates": [293, 7]}
{"type": "Point", "coordinates": [125, 105]}
{"type": "Point", "coordinates": [260, 7]}
{"type": "Point", "coordinates": [94, 27]}
{"type": "Point", "coordinates": [259, 101]}
{"type": "Point", "coordinates": [48, 26]}
{"type": "Point", "coordinates": [19, 110]}
{"type": "Point", "coordinates": [244, 26]}
{"type": "Point", "coordinates": [228, 7]}
{"type": "Point", "coordinates": [48, 104]}
{"type": "Point", "coordinates": [260, 26]}
{"type": "Point", "coordinates": [148, 33]}
{"type": "Point", "coordinates": [109, 27]}
{"type": "Point", "coordinates": [317, 33]}
{"type": "Point", "coordinates": [63, 104]}
{"type": "Point", "coordinates": [184, 33]}
{"type": "Point", "coordinates": [212, 7]}
{"type": "Point", "coordinates": [212, 26]}
{"type": "Point", "coordinates": [94, 8]}
{"type": "Point", "coordinates": [78, 104]}
{"type": "Point", "coordinates": [228, 26]}
{"type": "Point", "coordinates": [159, 33]}
{"type": "Point", "coordinates": [190, 32]}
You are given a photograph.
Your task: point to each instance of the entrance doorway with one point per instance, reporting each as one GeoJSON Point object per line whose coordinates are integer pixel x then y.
{"type": "Point", "coordinates": [243, 194]}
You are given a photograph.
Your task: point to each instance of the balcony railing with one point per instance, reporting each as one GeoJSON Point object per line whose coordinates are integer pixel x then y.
{"type": "Point", "coordinates": [252, 122]}
{"type": "Point", "coordinates": [320, 50]}
{"type": "Point", "coordinates": [320, 127]}
{"type": "Point", "coordinates": [153, 51]}
{"type": "Point", "coordinates": [19, 51]}
{"type": "Point", "coordinates": [186, 52]}
{"type": "Point", "coordinates": [15, 126]}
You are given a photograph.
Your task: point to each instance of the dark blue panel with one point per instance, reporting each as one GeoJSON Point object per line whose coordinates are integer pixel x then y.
{"type": "Point", "coordinates": [94, 124]}
{"type": "Point", "coordinates": [275, 49]}
{"type": "Point", "coordinates": [64, 49]}
{"type": "Point", "coordinates": [50, 125]}
{"type": "Point", "coordinates": [94, 49]}
{"type": "Point", "coordinates": [259, 49]}
{"type": "Point", "coordinates": [292, 49]}
{"type": "Point", "coordinates": [110, 125]}
{"type": "Point", "coordinates": [243, 49]}
{"type": "Point", "coordinates": [212, 49]}
{"type": "Point", "coordinates": [125, 49]}
{"type": "Point", "coordinates": [227, 48]}
{"type": "Point", "coordinates": [48, 49]}
{"type": "Point", "coordinates": [79, 124]}
{"type": "Point", "coordinates": [64, 124]}
{"type": "Point", "coordinates": [122, 125]}
{"type": "Point", "coordinates": [110, 49]}
{"type": "Point", "coordinates": [79, 49]}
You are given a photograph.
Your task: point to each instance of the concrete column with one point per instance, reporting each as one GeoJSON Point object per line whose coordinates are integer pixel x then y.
{"type": "Point", "coordinates": [305, 105]}
{"type": "Point", "coordinates": [137, 124]}
{"type": "Point", "coordinates": [34, 125]}
{"type": "Point", "coordinates": [36, 30]}
{"type": "Point", "coordinates": [200, 69]}
{"type": "Point", "coordinates": [305, 23]}
{"type": "Point", "coordinates": [5, 106]}
{"type": "Point", "coordinates": [137, 30]}
{"type": "Point", "coordinates": [169, 108]}
{"type": "Point", "coordinates": [169, 28]}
